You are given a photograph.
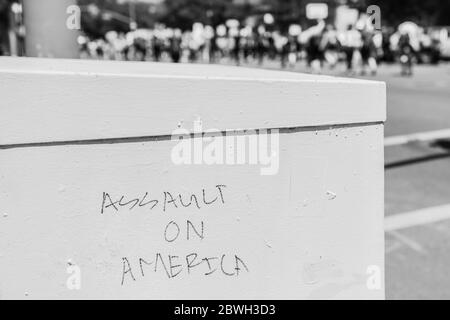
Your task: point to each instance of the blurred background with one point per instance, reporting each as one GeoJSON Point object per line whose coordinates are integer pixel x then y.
{"type": "Point", "coordinates": [235, 31]}
{"type": "Point", "coordinates": [405, 43]}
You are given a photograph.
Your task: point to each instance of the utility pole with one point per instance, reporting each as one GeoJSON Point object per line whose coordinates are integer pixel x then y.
{"type": "Point", "coordinates": [47, 31]}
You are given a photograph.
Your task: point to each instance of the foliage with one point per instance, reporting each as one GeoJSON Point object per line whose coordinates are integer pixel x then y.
{"type": "Point", "coordinates": [4, 12]}
{"type": "Point", "coordinates": [427, 13]}
{"type": "Point", "coordinates": [182, 13]}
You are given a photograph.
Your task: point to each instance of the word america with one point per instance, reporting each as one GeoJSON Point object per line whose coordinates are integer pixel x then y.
{"type": "Point", "coordinates": [172, 266]}
{"type": "Point", "coordinates": [165, 201]}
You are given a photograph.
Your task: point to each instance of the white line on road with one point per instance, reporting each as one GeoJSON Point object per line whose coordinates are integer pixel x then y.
{"type": "Point", "coordinates": [408, 241]}
{"type": "Point", "coordinates": [416, 137]}
{"type": "Point", "coordinates": [416, 218]}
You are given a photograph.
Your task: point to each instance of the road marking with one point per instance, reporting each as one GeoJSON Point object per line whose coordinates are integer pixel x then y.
{"type": "Point", "coordinates": [394, 247]}
{"type": "Point", "coordinates": [407, 241]}
{"type": "Point", "coordinates": [416, 218]}
{"type": "Point", "coordinates": [416, 137]}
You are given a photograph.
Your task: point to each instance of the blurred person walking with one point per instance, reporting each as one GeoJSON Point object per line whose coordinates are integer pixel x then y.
{"type": "Point", "coordinates": [314, 52]}
{"type": "Point", "coordinates": [331, 46]}
{"type": "Point", "coordinates": [175, 46]}
{"type": "Point", "coordinates": [368, 53]}
{"type": "Point", "coordinates": [351, 42]}
{"type": "Point", "coordinates": [406, 52]}
{"type": "Point", "coordinates": [260, 44]}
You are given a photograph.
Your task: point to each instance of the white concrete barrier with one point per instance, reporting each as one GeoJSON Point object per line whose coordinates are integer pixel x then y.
{"type": "Point", "coordinates": [282, 199]}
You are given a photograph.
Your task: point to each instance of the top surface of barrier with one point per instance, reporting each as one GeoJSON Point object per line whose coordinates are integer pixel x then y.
{"type": "Point", "coordinates": [153, 69]}
{"type": "Point", "coordinates": [46, 97]}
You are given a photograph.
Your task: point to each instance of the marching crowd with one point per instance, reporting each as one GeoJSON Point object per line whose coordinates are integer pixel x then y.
{"type": "Point", "coordinates": [359, 47]}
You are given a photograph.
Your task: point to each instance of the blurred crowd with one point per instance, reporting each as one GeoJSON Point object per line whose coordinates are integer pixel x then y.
{"type": "Point", "coordinates": [358, 48]}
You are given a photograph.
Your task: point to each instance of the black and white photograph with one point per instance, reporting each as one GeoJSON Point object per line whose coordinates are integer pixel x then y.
{"type": "Point", "coordinates": [224, 155]}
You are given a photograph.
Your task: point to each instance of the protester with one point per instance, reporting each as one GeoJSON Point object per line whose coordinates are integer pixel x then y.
{"type": "Point", "coordinates": [331, 46]}
{"type": "Point", "coordinates": [359, 46]}
{"type": "Point", "coordinates": [406, 54]}
{"type": "Point", "coordinates": [369, 53]}
{"type": "Point", "coordinates": [351, 42]}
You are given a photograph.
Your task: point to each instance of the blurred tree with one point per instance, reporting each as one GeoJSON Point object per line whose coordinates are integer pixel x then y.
{"type": "Point", "coordinates": [294, 11]}
{"type": "Point", "coordinates": [96, 18]}
{"type": "Point", "coordinates": [426, 13]}
{"type": "Point", "coordinates": [4, 10]}
{"type": "Point", "coordinates": [101, 16]}
{"type": "Point", "coordinates": [182, 13]}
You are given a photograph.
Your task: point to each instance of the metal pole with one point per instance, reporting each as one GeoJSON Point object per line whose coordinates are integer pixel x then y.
{"type": "Point", "coordinates": [132, 13]}
{"type": "Point", "coordinates": [47, 33]}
